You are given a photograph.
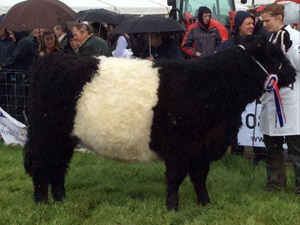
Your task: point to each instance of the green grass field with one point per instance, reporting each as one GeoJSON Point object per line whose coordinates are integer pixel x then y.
{"type": "Point", "coordinates": [104, 192]}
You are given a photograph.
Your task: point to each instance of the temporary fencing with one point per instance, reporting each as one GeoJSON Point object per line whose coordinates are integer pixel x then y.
{"type": "Point", "coordinates": [14, 86]}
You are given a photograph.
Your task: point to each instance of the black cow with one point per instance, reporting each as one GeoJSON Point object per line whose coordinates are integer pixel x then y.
{"type": "Point", "coordinates": [184, 112]}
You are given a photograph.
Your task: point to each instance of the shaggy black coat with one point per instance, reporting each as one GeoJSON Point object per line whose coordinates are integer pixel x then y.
{"type": "Point", "coordinates": [198, 112]}
{"type": "Point", "coordinates": [200, 106]}
{"type": "Point", "coordinates": [53, 96]}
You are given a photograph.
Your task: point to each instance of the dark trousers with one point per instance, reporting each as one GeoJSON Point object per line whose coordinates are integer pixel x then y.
{"type": "Point", "coordinates": [275, 161]}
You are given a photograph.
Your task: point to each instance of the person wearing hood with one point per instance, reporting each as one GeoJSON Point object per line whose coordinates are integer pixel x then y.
{"type": "Point", "coordinates": [23, 55]}
{"type": "Point", "coordinates": [20, 59]}
{"type": "Point", "coordinates": [259, 29]}
{"type": "Point", "coordinates": [6, 48]}
{"type": "Point", "coordinates": [201, 39]}
{"type": "Point", "coordinates": [243, 26]}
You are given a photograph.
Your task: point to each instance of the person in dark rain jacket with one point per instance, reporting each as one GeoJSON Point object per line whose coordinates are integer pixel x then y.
{"type": "Point", "coordinates": [23, 55]}
{"type": "Point", "coordinates": [202, 38]}
{"type": "Point", "coordinates": [6, 44]}
{"type": "Point", "coordinates": [162, 47]}
{"type": "Point", "coordinates": [243, 26]}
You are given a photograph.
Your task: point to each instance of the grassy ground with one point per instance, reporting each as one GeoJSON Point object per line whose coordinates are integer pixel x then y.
{"type": "Point", "coordinates": [104, 192]}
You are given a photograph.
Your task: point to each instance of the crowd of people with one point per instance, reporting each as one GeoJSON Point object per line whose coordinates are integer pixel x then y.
{"type": "Point", "coordinates": [18, 50]}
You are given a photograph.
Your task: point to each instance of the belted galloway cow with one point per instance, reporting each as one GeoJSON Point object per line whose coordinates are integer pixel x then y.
{"type": "Point", "coordinates": [183, 112]}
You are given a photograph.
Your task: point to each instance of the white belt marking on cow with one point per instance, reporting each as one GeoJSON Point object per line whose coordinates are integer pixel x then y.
{"type": "Point", "coordinates": [115, 111]}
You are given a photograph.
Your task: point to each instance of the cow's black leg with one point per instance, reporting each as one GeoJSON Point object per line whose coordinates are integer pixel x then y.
{"type": "Point", "coordinates": [40, 184]}
{"type": "Point", "coordinates": [64, 153]}
{"type": "Point", "coordinates": [58, 186]}
{"type": "Point", "coordinates": [175, 174]}
{"type": "Point", "coordinates": [49, 161]}
{"type": "Point", "coordinates": [37, 166]}
{"type": "Point", "coordinates": [40, 192]}
{"type": "Point", "coordinates": [198, 174]}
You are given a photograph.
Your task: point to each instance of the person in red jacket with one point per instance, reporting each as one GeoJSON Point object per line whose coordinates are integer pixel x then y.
{"type": "Point", "coordinates": [202, 38]}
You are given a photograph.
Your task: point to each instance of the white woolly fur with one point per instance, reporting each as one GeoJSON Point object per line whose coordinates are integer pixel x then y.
{"type": "Point", "coordinates": [115, 110]}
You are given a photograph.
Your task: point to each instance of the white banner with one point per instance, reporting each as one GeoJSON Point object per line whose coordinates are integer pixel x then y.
{"type": "Point", "coordinates": [11, 130]}
{"type": "Point", "coordinates": [249, 134]}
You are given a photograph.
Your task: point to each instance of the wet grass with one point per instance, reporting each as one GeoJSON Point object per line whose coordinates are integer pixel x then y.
{"type": "Point", "coordinates": [111, 193]}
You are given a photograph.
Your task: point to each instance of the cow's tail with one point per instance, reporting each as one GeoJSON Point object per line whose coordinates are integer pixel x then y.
{"type": "Point", "coordinates": [27, 155]}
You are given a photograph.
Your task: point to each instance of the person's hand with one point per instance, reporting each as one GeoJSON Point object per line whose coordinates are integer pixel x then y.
{"type": "Point", "coordinates": [41, 53]}
{"type": "Point", "coordinates": [198, 54]}
{"type": "Point", "coordinates": [151, 58]}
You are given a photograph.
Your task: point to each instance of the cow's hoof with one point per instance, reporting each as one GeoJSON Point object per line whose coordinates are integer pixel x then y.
{"type": "Point", "coordinates": [172, 203]}
{"type": "Point", "coordinates": [204, 202]}
{"type": "Point", "coordinates": [41, 199]}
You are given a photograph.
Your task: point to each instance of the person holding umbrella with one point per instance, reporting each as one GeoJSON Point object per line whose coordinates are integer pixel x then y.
{"type": "Point", "coordinates": [36, 36]}
{"type": "Point", "coordinates": [162, 47]}
{"type": "Point", "coordinates": [19, 60]}
{"type": "Point", "coordinates": [6, 44]}
{"type": "Point", "coordinates": [148, 25]}
{"type": "Point", "coordinates": [22, 56]}
{"type": "Point", "coordinates": [89, 44]}
{"type": "Point", "coordinates": [6, 48]}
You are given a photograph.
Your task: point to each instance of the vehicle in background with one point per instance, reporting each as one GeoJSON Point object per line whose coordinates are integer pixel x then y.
{"type": "Point", "coordinates": [189, 8]}
{"type": "Point", "coordinates": [224, 10]}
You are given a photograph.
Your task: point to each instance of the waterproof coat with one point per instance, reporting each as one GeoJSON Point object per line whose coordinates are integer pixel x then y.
{"type": "Point", "coordinates": [94, 46]}
{"type": "Point", "coordinates": [269, 123]}
{"type": "Point", "coordinates": [167, 50]}
{"type": "Point", "coordinates": [6, 48]}
{"type": "Point", "coordinates": [21, 58]}
{"type": "Point", "coordinates": [197, 39]}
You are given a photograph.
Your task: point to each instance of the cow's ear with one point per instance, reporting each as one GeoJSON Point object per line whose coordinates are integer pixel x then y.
{"type": "Point", "coordinates": [254, 43]}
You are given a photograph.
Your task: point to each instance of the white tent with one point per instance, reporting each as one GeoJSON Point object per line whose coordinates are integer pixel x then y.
{"type": "Point", "coordinates": [136, 7]}
{"type": "Point", "coordinates": [78, 5]}
{"type": "Point", "coordinates": [5, 5]}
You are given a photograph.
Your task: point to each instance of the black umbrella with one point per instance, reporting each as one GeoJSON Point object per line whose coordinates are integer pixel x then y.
{"type": "Point", "coordinates": [33, 14]}
{"type": "Point", "coordinates": [100, 15]}
{"type": "Point", "coordinates": [148, 24]}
